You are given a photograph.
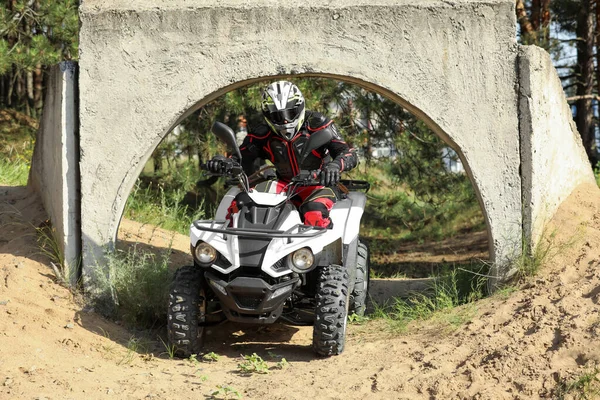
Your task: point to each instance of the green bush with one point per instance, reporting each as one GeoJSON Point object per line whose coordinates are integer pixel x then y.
{"type": "Point", "coordinates": [135, 287]}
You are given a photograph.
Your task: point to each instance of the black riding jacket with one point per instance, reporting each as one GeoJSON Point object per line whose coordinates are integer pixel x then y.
{"type": "Point", "coordinates": [264, 143]}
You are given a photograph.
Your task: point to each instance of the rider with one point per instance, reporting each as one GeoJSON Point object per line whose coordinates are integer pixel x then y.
{"type": "Point", "coordinates": [287, 129]}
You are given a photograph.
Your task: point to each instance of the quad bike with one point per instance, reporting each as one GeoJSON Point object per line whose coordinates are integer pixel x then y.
{"type": "Point", "coordinates": [264, 265]}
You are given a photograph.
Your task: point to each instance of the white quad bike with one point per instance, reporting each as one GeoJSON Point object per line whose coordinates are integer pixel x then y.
{"type": "Point", "coordinates": [266, 265]}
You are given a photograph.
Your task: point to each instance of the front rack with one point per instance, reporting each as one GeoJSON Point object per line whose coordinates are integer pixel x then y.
{"type": "Point", "coordinates": [260, 233]}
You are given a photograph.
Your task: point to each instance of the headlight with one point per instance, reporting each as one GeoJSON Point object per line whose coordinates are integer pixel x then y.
{"type": "Point", "coordinates": [302, 260]}
{"type": "Point", "coordinates": [205, 253]}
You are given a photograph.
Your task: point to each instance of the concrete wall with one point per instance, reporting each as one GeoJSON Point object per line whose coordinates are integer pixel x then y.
{"type": "Point", "coordinates": [147, 65]}
{"type": "Point", "coordinates": [54, 171]}
{"type": "Point", "coordinates": [554, 161]}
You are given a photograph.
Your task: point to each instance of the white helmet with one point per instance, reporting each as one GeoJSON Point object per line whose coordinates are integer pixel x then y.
{"type": "Point", "coordinates": [283, 108]}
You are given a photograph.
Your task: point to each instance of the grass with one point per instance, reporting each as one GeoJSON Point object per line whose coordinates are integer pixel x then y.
{"type": "Point", "coordinates": [134, 346]}
{"type": "Point", "coordinates": [155, 205]}
{"type": "Point", "coordinates": [14, 173]}
{"type": "Point", "coordinates": [395, 216]}
{"type": "Point", "coordinates": [458, 288]}
{"type": "Point", "coordinates": [48, 244]}
{"type": "Point", "coordinates": [394, 211]}
{"type": "Point", "coordinates": [586, 386]}
{"type": "Point", "coordinates": [135, 287]}
{"type": "Point", "coordinates": [529, 262]}
{"type": "Point", "coordinates": [170, 350]}
{"type": "Point", "coordinates": [17, 134]}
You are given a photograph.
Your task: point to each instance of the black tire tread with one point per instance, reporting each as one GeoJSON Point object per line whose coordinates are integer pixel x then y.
{"type": "Point", "coordinates": [359, 295]}
{"type": "Point", "coordinates": [186, 337]}
{"type": "Point", "coordinates": [329, 332]}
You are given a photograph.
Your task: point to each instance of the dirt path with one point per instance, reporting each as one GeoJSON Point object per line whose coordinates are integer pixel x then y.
{"type": "Point", "coordinates": [520, 346]}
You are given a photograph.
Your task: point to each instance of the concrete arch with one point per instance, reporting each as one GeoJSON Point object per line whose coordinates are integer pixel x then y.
{"type": "Point", "coordinates": [452, 64]}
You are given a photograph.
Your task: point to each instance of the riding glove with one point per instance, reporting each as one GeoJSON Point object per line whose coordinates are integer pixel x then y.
{"type": "Point", "coordinates": [330, 175]}
{"type": "Point", "coordinates": [220, 164]}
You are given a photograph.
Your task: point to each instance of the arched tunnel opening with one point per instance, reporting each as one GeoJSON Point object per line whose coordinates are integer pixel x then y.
{"type": "Point", "coordinates": [422, 221]}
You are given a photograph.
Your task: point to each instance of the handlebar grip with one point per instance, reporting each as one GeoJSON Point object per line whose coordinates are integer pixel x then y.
{"type": "Point", "coordinates": [235, 170]}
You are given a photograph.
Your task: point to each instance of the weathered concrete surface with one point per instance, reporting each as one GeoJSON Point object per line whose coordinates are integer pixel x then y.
{"type": "Point", "coordinates": [145, 66]}
{"type": "Point", "coordinates": [554, 161]}
{"type": "Point", "coordinates": [381, 291]}
{"type": "Point", "coordinates": [54, 170]}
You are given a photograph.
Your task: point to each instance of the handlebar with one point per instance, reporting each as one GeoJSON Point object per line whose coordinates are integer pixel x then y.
{"type": "Point", "coordinates": [233, 170]}
{"type": "Point", "coordinates": [304, 178]}
{"type": "Point", "coordinates": [308, 178]}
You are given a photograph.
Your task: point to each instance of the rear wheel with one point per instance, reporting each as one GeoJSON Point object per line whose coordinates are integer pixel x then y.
{"type": "Point", "coordinates": [360, 291]}
{"type": "Point", "coordinates": [187, 309]}
{"type": "Point", "coordinates": [331, 314]}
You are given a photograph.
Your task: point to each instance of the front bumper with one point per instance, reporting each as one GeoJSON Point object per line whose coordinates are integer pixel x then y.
{"type": "Point", "coordinates": [251, 299]}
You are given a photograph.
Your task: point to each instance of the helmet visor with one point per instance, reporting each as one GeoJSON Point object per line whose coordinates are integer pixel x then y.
{"type": "Point", "coordinates": [287, 115]}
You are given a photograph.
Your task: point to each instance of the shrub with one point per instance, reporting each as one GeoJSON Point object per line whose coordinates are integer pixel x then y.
{"type": "Point", "coordinates": [135, 287]}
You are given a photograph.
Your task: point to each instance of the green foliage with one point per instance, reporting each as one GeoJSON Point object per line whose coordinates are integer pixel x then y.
{"type": "Point", "coordinates": [356, 319]}
{"type": "Point", "coordinates": [136, 286]}
{"type": "Point", "coordinates": [505, 292]}
{"type": "Point", "coordinates": [17, 133]}
{"type": "Point", "coordinates": [39, 33]}
{"type": "Point", "coordinates": [49, 246]}
{"type": "Point", "coordinates": [584, 387]}
{"type": "Point", "coordinates": [170, 350]}
{"type": "Point", "coordinates": [459, 288]}
{"type": "Point", "coordinates": [225, 392]}
{"type": "Point", "coordinates": [160, 202]}
{"type": "Point", "coordinates": [253, 364]}
{"type": "Point", "coordinates": [134, 346]}
{"type": "Point", "coordinates": [529, 262]}
{"type": "Point", "coordinates": [282, 364]}
{"type": "Point", "coordinates": [210, 357]}
{"type": "Point", "coordinates": [13, 173]}
{"type": "Point", "coordinates": [34, 35]}
{"type": "Point", "coordinates": [597, 173]}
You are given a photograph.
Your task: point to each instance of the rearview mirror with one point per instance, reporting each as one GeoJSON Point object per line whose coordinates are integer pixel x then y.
{"type": "Point", "coordinates": [225, 134]}
{"type": "Point", "coordinates": [316, 140]}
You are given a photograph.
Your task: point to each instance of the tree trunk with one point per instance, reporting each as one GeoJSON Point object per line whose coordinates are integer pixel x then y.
{"type": "Point", "coordinates": [536, 9]}
{"type": "Point", "coordinates": [38, 89]}
{"type": "Point", "coordinates": [546, 19]}
{"type": "Point", "coordinates": [527, 30]}
{"type": "Point", "coordinates": [20, 88]}
{"type": "Point", "coordinates": [30, 101]}
{"type": "Point", "coordinates": [585, 81]}
{"type": "Point", "coordinates": [12, 78]}
{"type": "Point", "coordinates": [3, 90]}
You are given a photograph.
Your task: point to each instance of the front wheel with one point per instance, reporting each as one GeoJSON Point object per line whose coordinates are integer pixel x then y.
{"type": "Point", "coordinates": [358, 297]}
{"type": "Point", "coordinates": [187, 309]}
{"type": "Point", "coordinates": [329, 332]}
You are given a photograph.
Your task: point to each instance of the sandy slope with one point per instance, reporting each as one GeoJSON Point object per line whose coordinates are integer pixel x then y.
{"type": "Point", "coordinates": [516, 347]}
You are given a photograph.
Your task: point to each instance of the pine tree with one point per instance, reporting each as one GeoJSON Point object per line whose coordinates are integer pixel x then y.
{"type": "Point", "coordinates": [34, 34]}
